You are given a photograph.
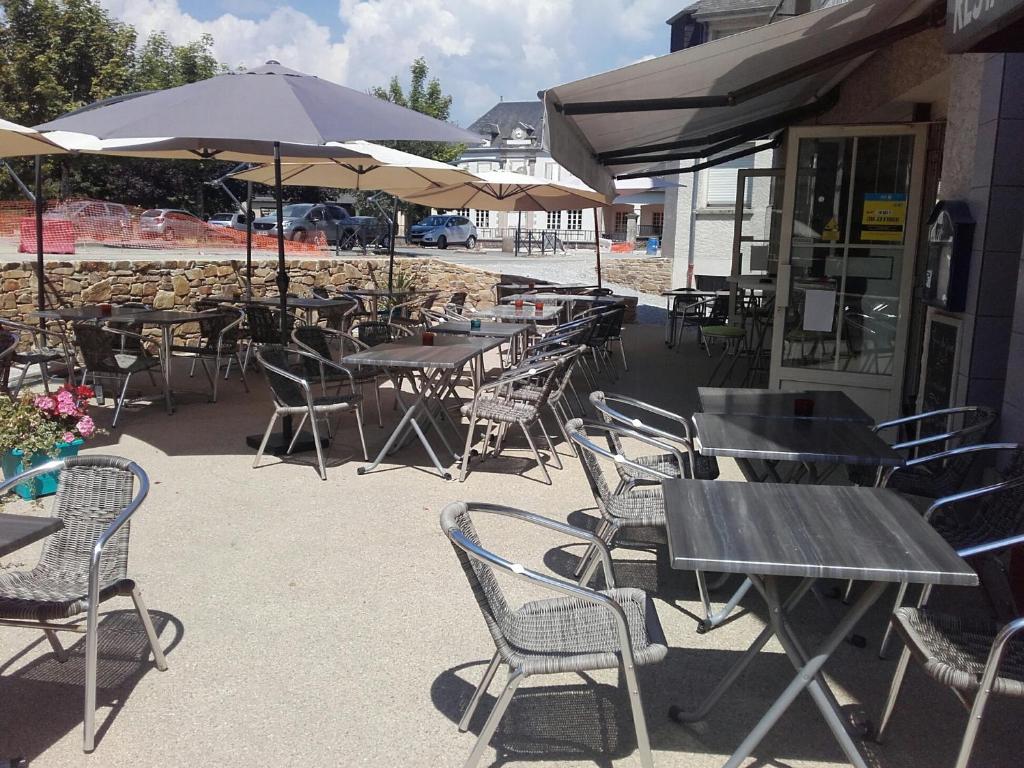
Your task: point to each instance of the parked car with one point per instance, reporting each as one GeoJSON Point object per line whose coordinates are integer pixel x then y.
{"type": "Point", "coordinates": [171, 223]}
{"type": "Point", "coordinates": [444, 230]}
{"type": "Point", "coordinates": [228, 220]}
{"type": "Point", "coordinates": [301, 221]}
{"type": "Point", "coordinates": [94, 219]}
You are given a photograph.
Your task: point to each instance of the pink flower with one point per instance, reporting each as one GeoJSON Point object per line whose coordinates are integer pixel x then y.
{"type": "Point", "coordinates": [66, 407]}
{"type": "Point", "coordinates": [44, 403]}
{"type": "Point", "coordinates": [69, 437]}
{"type": "Point", "coordinates": [65, 396]}
{"type": "Point", "coordinates": [86, 426]}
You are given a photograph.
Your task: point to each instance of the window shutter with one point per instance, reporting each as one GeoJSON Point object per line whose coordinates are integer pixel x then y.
{"type": "Point", "coordinates": [721, 186]}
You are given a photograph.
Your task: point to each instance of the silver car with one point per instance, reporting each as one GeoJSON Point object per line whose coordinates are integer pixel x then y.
{"type": "Point", "coordinates": [444, 230]}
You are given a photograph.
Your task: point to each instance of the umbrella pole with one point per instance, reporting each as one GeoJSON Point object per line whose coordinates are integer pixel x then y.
{"type": "Point", "coordinates": [391, 247]}
{"type": "Point", "coordinates": [597, 247]}
{"type": "Point", "coordinates": [248, 240]}
{"type": "Point", "coordinates": [39, 238]}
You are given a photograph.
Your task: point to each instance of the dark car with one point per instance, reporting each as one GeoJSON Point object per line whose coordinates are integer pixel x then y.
{"type": "Point", "coordinates": [301, 221]}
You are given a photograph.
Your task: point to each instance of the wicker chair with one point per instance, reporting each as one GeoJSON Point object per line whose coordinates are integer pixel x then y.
{"type": "Point", "coordinates": [567, 357]}
{"type": "Point", "coordinates": [704, 467]}
{"type": "Point", "coordinates": [997, 511]}
{"type": "Point", "coordinates": [83, 564]}
{"type": "Point", "coordinates": [264, 327]}
{"type": "Point", "coordinates": [47, 347]}
{"type": "Point", "coordinates": [495, 404]}
{"type": "Point", "coordinates": [971, 656]}
{"type": "Point", "coordinates": [932, 432]}
{"type": "Point", "coordinates": [103, 358]}
{"type": "Point", "coordinates": [373, 332]}
{"type": "Point", "coordinates": [630, 506]}
{"type": "Point", "coordinates": [607, 325]}
{"type": "Point", "coordinates": [582, 629]}
{"type": "Point", "coordinates": [218, 343]}
{"type": "Point", "coordinates": [293, 395]}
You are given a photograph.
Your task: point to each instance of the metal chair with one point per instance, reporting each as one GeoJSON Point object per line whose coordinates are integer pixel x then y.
{"type": "Point", "coordinates": [103, 358]}
{"type": "Point", "coordinates": [704, 467]}
{"type": "Point", "coordinates": [495, 404]}
{"type": "Point", "coordinates": [373, 332]}
{"type": "Point", "coordinates": [83, 564]}
{"type": "Point", "coordinates": [533, 392]}
{"type": "Point", "coordinates": [996, 511]}
{"type": "Point", "coordinates": [970, 656]}
{"type": "Point", "coordinates": [933, 432]}
{"type": "Point", "coordinates": [218, 343]}
{"type": "Point", "coordinates": [631, 505]}
{"type": "Point", "coordinates": [457, 301]}
{"type": "Point", "coordinates": [293, 396]}
{"type": "Point", "coordinates": [46, 347]}
{"type": "Point", "coordinates": [8, 346]}
{"type": "Point", "coordinates": [264, 327]}
{"type": "Point", "coordinates": [580, 630]}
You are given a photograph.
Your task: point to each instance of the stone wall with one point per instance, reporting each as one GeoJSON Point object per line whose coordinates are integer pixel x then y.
{"type": "Point", "coordinates": [646, 275]}
{"type": "Point", "coordinates": [177, 284]}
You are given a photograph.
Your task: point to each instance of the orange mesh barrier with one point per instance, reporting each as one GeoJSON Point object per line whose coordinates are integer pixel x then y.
{"type": "Point", "coordinates": [58, 236]}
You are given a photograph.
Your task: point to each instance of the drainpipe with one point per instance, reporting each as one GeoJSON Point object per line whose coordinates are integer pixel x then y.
{"type": "Point", "coordinates": [691, 246]}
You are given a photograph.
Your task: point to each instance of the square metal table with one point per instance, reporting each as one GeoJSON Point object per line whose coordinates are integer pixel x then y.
{"type": "Point", "coordinates": [771, 531]}
{"type": "Point", "coordinates": [17, 531]}
{"type": "Point", "coordinates": [743, 401]}
{"type": "Point", "coordinates": [513, 333]}
{"type": "Point", "coordinates": [308, 304]}
{"type": "Point", "coordinates": [807, 441]}
{"type": "Point", "coordinates": [436, 365]}
{"type": "Point", "coordinates": [376, 294]}
{"type": "Point", "coordinates": [509, 314]}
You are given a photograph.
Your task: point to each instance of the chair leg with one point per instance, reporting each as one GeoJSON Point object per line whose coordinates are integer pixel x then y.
{"type": "Point", "coordinates": [147, 623]}
{"type": "Point", "coordinates": [978, 708]}
{"type": "Point", "coordinates": [241, 371]}
{"type": "Point", "coordinates": [493, 719]}
{"type": "Point", "coordinates": [888, 630]}
{"type": "Point", "coordinates": [622, 349]}
{"type": "Point", "coordinates": [296, 433]}
{"type": "Point", "coordinates": [551, 446]}
{"type": "Point", "coordinates": [58, 650]}
{"type": "Point", "coordinates": [894, 693]}
{"type": "Point", "coordinates": [478, 694]}
{"type": "Point", "coordinates": [316, 444]}
{"type": "Point", "coordinates": [643, 741]}
{"type": "Point", "coordinates": [362, 437]}
{"type": "Point", "coordinates": [469, 446]}
{"type": "Point", "coordinates": [120, 400]}
{"type": "Point", "coordinates": [536, 453]}
{"type": "Point", "coordinates": [91, 652]}
{"type": "Point", "coordinates": [266, 439]}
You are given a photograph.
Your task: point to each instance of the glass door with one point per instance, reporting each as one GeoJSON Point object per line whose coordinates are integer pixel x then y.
{"type": "Point", "coordinates": [755, 243]}
{"type": "Point", "coordinates": [849, 235]}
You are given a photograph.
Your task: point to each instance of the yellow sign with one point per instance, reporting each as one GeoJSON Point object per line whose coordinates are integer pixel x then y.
{"type": "Point", "coordinates": [831, 231]}
{"type": "Point", "coordinates": [884, 217]}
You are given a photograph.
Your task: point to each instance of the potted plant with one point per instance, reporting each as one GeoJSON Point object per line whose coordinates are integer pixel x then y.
{"type": "Point", "coordinates": [37, 428]}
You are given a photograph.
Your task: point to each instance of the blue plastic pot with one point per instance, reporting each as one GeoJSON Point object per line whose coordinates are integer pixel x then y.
{"type": "Point", "coordinates": [40, 485]}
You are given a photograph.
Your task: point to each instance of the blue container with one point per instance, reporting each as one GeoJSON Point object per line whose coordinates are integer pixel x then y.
{"type": "Point", "coordinates": [40, 485]}
{"type": "Point", "coordinates": [652, 246]}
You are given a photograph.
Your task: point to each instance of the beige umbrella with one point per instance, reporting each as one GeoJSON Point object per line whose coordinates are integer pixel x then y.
{"type": "Point", "coordinates": [18, 141]}
{"type": "Point", "coordinates": [509, 191]}
{"type": "Point", "coordinates": [380, 168]}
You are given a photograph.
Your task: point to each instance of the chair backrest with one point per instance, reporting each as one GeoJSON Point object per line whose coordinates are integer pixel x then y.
{"type": "Point", "coordinates": [710, 282]}
{"type": "Point", "coordinates": [336, 317]}
{"type": "Point", "coordinates": [458, 300]}
{"type": "Point", "coordinates": [221, 324]}
{"type": "Point", "coordinates": [205, 305]}
{"type": "Point", "coordinates": [51, 337]}
{"type": "Point", "coordinates": [273, 359]}
{"type": "Point", "coordinates": [608, 324]}
{"type": "Point", "coordinates": [8, 346]}
{"type": "Point", "coordinates": [457, 524]}
{"type": "Point", "coordinates": [98, 347]}
{"type": "Point", "coordinates": [372, 332]}
{"type": "Point", "coordinates": [265, 323]}
{"type": "Point", "coordinates": [314, 339]}
{"type": "Point", "coordinates": [92, 493]}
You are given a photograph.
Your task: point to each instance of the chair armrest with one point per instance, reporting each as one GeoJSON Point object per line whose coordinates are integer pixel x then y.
{"type": "Point", "coordinates": [618, 458]}
{"type": "Point", "coordinates": [637, 423]}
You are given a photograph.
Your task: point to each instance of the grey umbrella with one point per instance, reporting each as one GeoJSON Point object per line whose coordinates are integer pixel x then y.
{"type": "Point", "coordinates": [270, 105]}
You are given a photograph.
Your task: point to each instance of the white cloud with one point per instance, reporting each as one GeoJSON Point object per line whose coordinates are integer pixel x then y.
{"type": "Point", "coordinates": [480, 49]}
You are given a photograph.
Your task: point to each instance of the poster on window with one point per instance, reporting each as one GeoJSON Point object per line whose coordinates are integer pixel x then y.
{"type": "Point", "coordinates": [884, 217]}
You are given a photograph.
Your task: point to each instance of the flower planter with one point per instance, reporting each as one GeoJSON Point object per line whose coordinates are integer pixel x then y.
{"type": "Point", "coordinates": [40, 485]}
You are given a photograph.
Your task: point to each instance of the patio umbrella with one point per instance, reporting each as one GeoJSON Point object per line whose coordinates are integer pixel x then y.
{"type": "Point", "coordinates": [18, 141]}
{"type": "Point", "coordinates": [260, 109]}
{"type": "Point", "coordinates": [389, 170]}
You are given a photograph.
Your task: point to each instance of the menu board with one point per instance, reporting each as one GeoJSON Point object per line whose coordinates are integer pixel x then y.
{"type": "Point", "coordinates": [940, 367]}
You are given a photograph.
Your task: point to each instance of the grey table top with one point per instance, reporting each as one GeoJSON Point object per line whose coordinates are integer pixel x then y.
{"type": "Point", "coordinates": [525, 315]}
{"type": "Point", "coordinates": [739, 401]}
{"type": "Point", "coordinates": [378, 292]}
{"type": "Point", "coordinates": [123, 315]}
{"type": "Point", "coordinates": [561, 297]}
{"type": "Point", "coordinates": [547, 286]}
{"type": "Point", "coordinates": [447, 352]}
{"type": "Point", "coordinates": [303, 302]}
{"type": "Point", "coordinates": [818, 531]}
{"type": "Point", "coordinates": [462, 327]}
{"type": "Point", "coordinates": [810, 440]}
{"type": "Point", "coordinates": [17, 531]}
{"type": "Point", "coordinates": [692, 292]}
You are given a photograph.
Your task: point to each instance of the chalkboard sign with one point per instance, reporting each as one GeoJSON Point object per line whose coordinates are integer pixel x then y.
{"type": "Point", "coordinates": [940, 368]}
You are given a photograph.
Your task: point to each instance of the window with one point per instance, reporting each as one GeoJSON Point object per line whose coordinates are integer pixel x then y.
{"type": "Point", "coordinates": [721, 182]}
{"type": "Point", "coordinates": [574, 219]}
{"type": "Point", "coordinates": [554, 218]}
{"type": "Point", "coordinates": [620, 221]}
{"type": "Point", "coordinates": [658, 221]}
{"type": "Point", "coordinates": [462, 212]}
{"type": "Point", "coordinates": [483, 218]}
{"type": "Point", "coordinates": [549, 171]}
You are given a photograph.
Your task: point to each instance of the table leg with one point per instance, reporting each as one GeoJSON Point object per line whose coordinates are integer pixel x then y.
{"type": "Point", "coordinates": [808, 673]}
{"type": "Point", "coordinates": [166, 335]}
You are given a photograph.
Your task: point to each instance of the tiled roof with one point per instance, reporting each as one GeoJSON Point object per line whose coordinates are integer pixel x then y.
{"type": "Point", "coordinates": [724, 6]}
{"type": "Point", "coordinates": [506, 115]}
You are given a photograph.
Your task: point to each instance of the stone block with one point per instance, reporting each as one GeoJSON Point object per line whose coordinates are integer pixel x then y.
{"type": "Point", "coordinates": [97, 293]}
{"type": "Point", "coordinates": [163, 300]}
{"type": "Point", "coordinates": [180, 285]}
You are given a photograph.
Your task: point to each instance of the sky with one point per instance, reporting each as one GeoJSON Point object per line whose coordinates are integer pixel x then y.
{"type": "Point", "coordinates": [480, 50]}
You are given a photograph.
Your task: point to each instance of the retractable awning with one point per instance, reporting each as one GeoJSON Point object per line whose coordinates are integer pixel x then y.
{"type": "Point", "coordinates": [705, 100]}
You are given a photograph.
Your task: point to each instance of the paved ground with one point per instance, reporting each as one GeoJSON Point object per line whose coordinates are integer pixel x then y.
{"type": "Point", "coordinates": [312, 623]}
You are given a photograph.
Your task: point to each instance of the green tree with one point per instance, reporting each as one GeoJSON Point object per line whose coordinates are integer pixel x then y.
{"type": "Point", "coordinates": [59, 55]}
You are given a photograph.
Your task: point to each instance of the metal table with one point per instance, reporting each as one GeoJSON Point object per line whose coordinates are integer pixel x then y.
{"type": "Point", "coordinates": [742, 401]}
{"type": "Point", "coordinates": [307, 304]}
{"type": "Point", "coordinates": [513, 333]}
{"type": "Point", "coordinates": [810, 532]}
{"type": "Point", "coordinates": [808, 441]}
{"type": "Point", "coordinates": [436, 365]}
{"type": "Point", "coordinates": [17, 531]}
{"type": "Point", "coordinates": [507, 314]}
{"type": "Point", "coordinates": [375, 295]}
{"type": "Point", "coordinates": [568, 298]}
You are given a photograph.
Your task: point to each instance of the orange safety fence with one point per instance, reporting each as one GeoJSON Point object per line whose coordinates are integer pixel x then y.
{"type": "Point", "coordinates": [69, 223]}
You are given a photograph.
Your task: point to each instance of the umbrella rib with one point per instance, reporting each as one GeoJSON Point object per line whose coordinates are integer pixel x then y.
{"type": "Point", "coordinates": [293, 174]}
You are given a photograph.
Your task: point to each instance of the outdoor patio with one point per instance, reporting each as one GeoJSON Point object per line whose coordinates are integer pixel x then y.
{"type": "Point", "coordinates": [315, 623]}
